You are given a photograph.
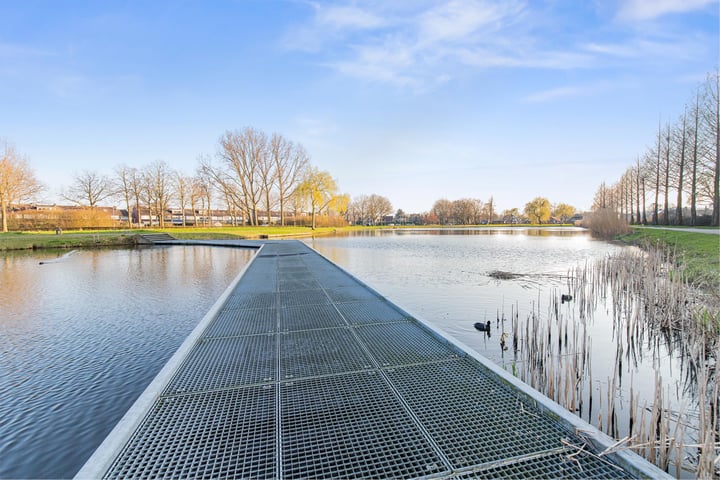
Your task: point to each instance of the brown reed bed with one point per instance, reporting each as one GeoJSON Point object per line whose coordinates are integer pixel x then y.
{"type": "Point", "coordinates": [656, 316]}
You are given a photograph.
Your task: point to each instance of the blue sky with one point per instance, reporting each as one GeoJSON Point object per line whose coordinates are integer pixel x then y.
{"type": "Point", "coordinates": [411, 99]}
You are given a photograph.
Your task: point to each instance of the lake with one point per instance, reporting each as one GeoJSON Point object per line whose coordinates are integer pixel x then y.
{"type": "Point", "coordinates": [443, 275]}
{"type": "Point", "coordinates": [82, 336]}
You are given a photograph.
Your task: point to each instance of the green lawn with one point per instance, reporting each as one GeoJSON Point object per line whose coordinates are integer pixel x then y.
{"type": "Point", "coordinates": [699, 253]}
{"type": "Point", "coordinates": [80, 238]}
{"type": "Point", "coordinates": [91, 238]}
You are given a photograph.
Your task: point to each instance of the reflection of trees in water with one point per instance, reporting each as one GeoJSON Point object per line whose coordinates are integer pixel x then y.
{"type": "Point", "coordinates": [656, 317]}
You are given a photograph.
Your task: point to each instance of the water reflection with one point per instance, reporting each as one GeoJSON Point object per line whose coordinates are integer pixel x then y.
{"type": "Point", "coordinates": [591, 354]}
{"type": "Point", "coordinates": [84, 334]}
{"type": "Point", "coordinates": [445, 278]}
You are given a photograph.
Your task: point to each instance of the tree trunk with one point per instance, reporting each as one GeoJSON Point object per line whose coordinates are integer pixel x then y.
{"type": "Point", "coordinates": [681, 171]}
{"type": "Point", "coordinates": [637, 189]}
{"type": "Point", "coordinates": [693, 193]}
{"type": "Point", "coordinates": [666, 192]}
{"type": "Point", "coordinates": [3, 212]}
{"type": "Point", "coordinates": [657, 179]}
{"type": "Point", "coordinates": [716, 187]}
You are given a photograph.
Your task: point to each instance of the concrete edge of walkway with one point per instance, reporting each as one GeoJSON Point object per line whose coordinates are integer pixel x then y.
{"type": "Point", "coordinates": [104, 455]}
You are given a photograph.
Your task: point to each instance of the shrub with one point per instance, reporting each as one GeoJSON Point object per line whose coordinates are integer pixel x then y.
{"type": "Point", "coordinates": [605, 223]}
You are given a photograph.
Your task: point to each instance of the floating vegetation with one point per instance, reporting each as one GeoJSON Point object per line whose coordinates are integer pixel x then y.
{"type": "Point", "coordinates": [658, 321]}
{"type": "Point", "coordinates": [500, 275]}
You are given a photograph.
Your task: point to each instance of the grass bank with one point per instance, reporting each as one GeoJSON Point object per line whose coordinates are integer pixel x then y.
{"type": "Point", "coordinates": [697, 253]}
{"type": "Point", "coordinates": [106, 238]}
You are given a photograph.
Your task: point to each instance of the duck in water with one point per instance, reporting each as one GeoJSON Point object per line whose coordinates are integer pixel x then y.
{"type": "Point", "coordinates": [483, 327]}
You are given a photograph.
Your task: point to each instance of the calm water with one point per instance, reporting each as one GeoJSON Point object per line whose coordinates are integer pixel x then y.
{"type": "Point", "coordinates": [443, 277]}
{"type": "Point", "coordinates": [82, 336]}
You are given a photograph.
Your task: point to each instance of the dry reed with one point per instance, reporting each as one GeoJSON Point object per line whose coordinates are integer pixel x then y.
{"type": "Point", "coordinates": [653, 310]}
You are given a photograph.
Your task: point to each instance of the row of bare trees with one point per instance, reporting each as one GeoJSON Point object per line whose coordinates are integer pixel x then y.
{"type": "Point", "coordinates": [251, 175]}
{"type": "Point", "coordinates": [473, 211]}
{"type": "Point", "coordinates": [369, 210]}
{"type": "Point", "coordinates": [253, 171]}
{"type": "Point", "coordinates": [681, 167]}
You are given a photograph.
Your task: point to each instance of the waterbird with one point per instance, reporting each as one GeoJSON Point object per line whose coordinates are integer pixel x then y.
{"type": "Point", "coordinates": [483, 327]}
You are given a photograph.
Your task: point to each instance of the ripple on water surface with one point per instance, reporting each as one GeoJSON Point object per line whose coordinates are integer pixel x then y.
{"type": "Point", "coordinates": [82, 338]}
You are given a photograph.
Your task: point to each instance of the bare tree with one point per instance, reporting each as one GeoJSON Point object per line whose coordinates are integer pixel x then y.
{"type": "Point", "coordinates": [638, 178]}
{"type": "Point", "coordinates": [267, 171]}
{"type": "Point", "coordinates": [17, 180]}
{"type": "Point", "coordinates": [443, 210]}
{"type": "Point", "coordinates": [89, 188]}
{"type": "Point", "coordinates": [377, 208]}
{"type": "Point", "coordinates": [158, 177]}
{"type": "Point", "coordinates": [666, 174]}
{"type": "Point", "coordinates": [679, 160]}
{"type": "Point", "coordinates": [694, 159]}
{"type": "Point", "coordinates": [126, 187]}
{"type": "Point", "coordinates": [182, 193]}
{"type": "Point", "coordinates": [358, 210]}
{"type": "Point", "coordinates": [490, 210]}
{"type": "Point", "coordinates": [290, 162]}
{"type": "Point", "coordinates": [711, 119]}
{"type": "Point", "coordinates": [241, 153]}
{"type": "Point", "coordinates": [656, 168]}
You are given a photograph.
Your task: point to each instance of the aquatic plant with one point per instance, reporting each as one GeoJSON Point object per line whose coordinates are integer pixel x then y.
{"type": "Point", "coordinates": [655, 315]}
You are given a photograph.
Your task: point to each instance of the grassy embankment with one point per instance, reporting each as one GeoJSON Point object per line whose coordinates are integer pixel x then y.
{"type": "Point", "coordinates": [106, 238]}
{"type": "Point", "coordinates": [697, 253]}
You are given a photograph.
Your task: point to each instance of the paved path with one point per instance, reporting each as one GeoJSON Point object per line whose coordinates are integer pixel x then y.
{"type": "Point", "coordinates": [302, 371]}
{"type": "Point", "coordinates": [712, 231]}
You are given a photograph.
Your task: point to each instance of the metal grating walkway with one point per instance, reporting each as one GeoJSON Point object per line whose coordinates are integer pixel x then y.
{"type": "Point", "coordinates": [302, 371]}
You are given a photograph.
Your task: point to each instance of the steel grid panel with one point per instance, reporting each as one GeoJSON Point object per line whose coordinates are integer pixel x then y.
{"type": "Point", "coordinates": [380, 311]}
{"type": "Point", "coordinates": [226, 362]}
{"type": "Point", "coordinates": [335, 279]}
{"type": "Point", "coordinates": [312, 353]}
{"type": "Point", "coordinates": [350, 426]}
{"type": "Point", "coordinates": [472, 415]}
{"type": "Point", "coordinates": [352, 294]}
{"type": "Point", "coordinates": [229, 323]}
{"type": "Point", "coordinates": [227, 434]}
{"type": "Point", "coordinates": [256, 283]}
{"type": "Point", "coordinates": [289, 262]}
{"type": "Point", "coordinates": [580, 466]}
{"type": "Point", "coordinates": [245, 300]}
{"type": "Point", "coordinates": [309, 317]}
{"type": "Point", "coordinates": [297, 298]}
{"type": "Point", "coordinates": [295, 273]}
{"type": "Point", "coordinates": [404, 343]}
{"type": "Point", "coordinates": [294, 270]}
{"type": "Point", "coordinates": [290, 284]}
{"type": "Point", "coordinates": [256, 286]}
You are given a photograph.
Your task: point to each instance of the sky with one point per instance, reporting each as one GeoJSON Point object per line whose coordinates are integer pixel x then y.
{"type": "Point", "coordinates": [414, 100]}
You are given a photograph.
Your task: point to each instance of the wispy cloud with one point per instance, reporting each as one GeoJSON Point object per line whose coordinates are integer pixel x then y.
{"type": "Point", "coordinates": [556, 93]}
{"type": "Point", "coordinates": [15, 51]}
{"type": "Point", "coordinates": [341, 17]}
{"type": "Point", "coordinates": [413, 44]}
{"type": "Point", "coordinates": [650, 9]}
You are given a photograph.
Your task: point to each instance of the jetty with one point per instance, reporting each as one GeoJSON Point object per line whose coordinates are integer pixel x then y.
{"type": "Point", "coordinates": [300, 370]}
